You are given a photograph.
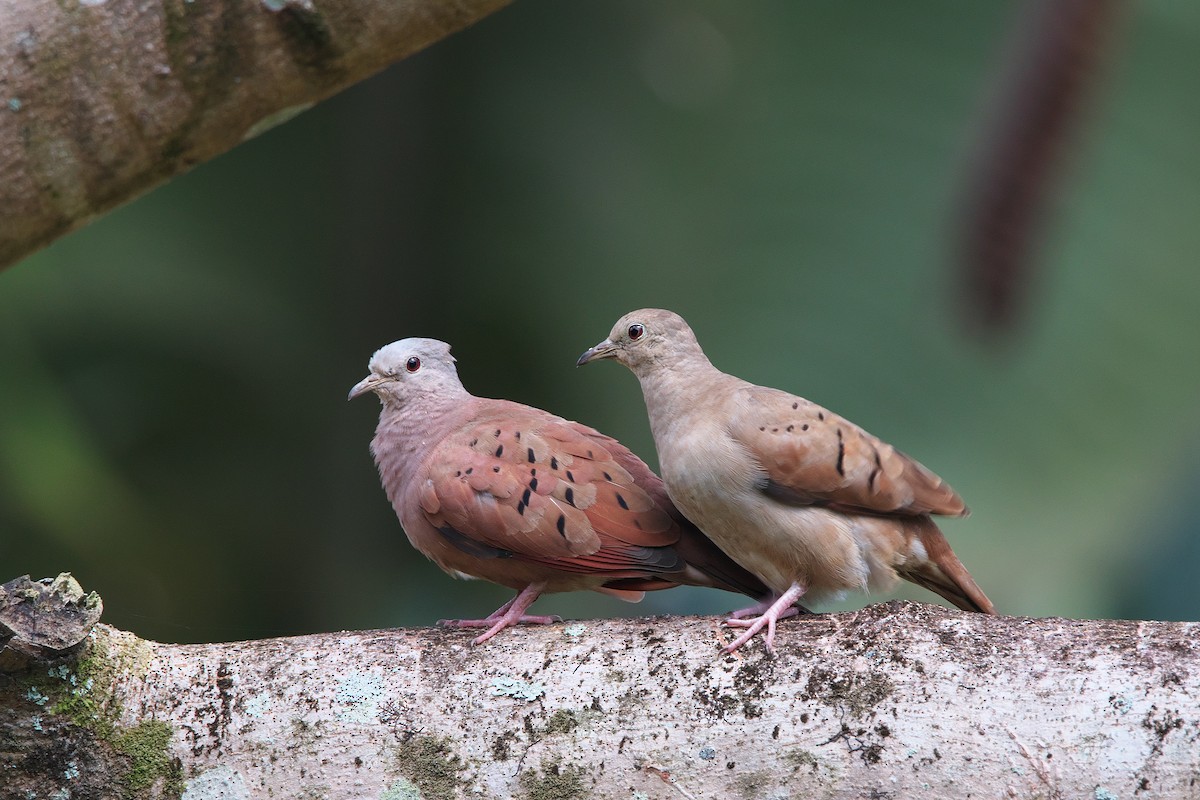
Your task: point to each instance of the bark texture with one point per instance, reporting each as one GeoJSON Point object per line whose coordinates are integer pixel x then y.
{"type": "Point", "coordinates": [896, 700]}
{"type": "Point", "coordinates": [101, 100]}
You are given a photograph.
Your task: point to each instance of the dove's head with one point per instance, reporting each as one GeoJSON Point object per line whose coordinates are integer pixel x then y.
{"type": "Point", "coordinates": [409, 369]}
{"type": "Point", "coordinates": [647, 339]}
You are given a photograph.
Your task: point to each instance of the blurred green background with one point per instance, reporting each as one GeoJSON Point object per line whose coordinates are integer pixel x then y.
{"type": "Point", "coordinates": [173, 423]}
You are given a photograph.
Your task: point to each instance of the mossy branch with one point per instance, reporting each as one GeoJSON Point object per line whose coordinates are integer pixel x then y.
{"type": "Point", "coordinates": [101, 100]}
{"type": "Point", "coordinates": [896, 700]}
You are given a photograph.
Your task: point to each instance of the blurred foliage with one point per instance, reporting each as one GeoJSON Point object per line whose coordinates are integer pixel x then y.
{"type": "Point", "coordinates": [173, 427]}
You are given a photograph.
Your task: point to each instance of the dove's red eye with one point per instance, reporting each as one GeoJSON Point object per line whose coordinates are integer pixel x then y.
{"type": "Point", "coordinates": [413, 364]}
{"type": "Point", "coordinates": [636, 332]}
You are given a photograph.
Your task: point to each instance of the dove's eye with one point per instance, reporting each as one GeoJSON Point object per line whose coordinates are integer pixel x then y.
{"type": "Point", "coordinates": [636, 332]}
{"type": "Point", "coordinates": [413, 364]}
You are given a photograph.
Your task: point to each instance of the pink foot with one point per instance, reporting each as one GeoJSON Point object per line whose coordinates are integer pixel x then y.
{"type": "Point", "coordinates": [782, 608]}
{"type": "Point", "coordinates": [506, 616]}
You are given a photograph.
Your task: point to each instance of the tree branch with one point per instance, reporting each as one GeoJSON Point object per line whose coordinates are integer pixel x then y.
{"type": "Point", "coordinates": [101, 100]}
{"type": "Point", "coordinates": [896, 700]}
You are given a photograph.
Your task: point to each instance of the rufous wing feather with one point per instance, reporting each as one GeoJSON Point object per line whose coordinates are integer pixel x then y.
{"type": "Point", "coordinates": [542, 490]}
{"type": "Point", "coordinates": [811, 456]}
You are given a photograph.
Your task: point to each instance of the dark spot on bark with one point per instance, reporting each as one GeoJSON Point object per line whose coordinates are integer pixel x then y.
{"type": "Point", "coordinates": [570, 496]}
{"type": "Point", "coordinates": [562, 525]}
{"type": "Point", "coordinates": [775, 733]}
{"type": "Point", "coordinates": [621, 502]}
{"type": "Point", "coordinates": [499, 451]}
{"type": "Point", "coordinates": [529, 454]}
{"type": "Point", "coordinates": [553, 462]}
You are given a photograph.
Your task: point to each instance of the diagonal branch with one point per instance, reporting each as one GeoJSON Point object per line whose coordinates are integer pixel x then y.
{"type": "Point", "coordinates": [896, 700]}
{"type": "Point", "coordinates": [101, 100]}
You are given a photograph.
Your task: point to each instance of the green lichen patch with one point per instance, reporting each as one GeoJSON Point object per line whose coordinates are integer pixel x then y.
{"type": "Point", "coordinates": [561, 721]}
{"type": "Point", "coordinates": [801, 759]}
{"type": "Point", "coordinates": [554, 781]}
{"type": "Point", "coordinates": [752, 785]}
{"type": "Point", "coordinates": [432, 766]}
{"type": "Point", "coordinates": [857, 693]}
{"type": "Point", "coordinates": [147, 745]}
{"type": "Point", "coordinates": [401, 790]}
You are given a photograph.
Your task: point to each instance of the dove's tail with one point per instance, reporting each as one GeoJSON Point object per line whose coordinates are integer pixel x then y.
{"type": "Point", "coordinates": [942, 573]}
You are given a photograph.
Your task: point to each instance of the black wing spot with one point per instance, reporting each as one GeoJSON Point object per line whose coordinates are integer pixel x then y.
{"type": "Point", "coordinates": [525, 496]}
{"type": "Point", "coordinates": [569, 496]}
{"type": "Point", "coordinates": [875, 472]}
{"type": "Point", "coordinates": [458, 473]}
{"type": "Point", "coordinates": [791, 428]}
{"type": "Point", "coordinates": [841, 459]}
{"type": "Point", "coordinates": [529, 454]}
{"type": "Point", "coordinates": [821, 416]}
{"type": "Point", "coordinates": [470, 470]}
{"type": "Point", "coordinates": [570, 477]}
{"type": "Point", "coordinates": [497, 431]}
{"type": "Point", "coordinates": [499, 451]}
{"type": "Point", "coordinates": [795, 406]}
{"type": "Point", "coordinates": [521, 507]}
{"type": "Point", "coordinates": [517, 435]}
{"type": "Point", "coordinates": [553, 462]}
{"type": "Point", "coordinates": [607, 477]}
{"type": "Point", "coordinates": [637, 523]}
{"type": "Point", "coordinates": [621, 502]}
{"type": "Point", "coordinates": [533, 484]}
{"type": "Point", "coordinates": [774, 430]}
{"type": "Point", "coordinates": [590, 454]}
{"type": "Point", "coordinates": [473, 442]}
{"type": "Point", "coordinates": [562, 525]}
{"type": "Point", "coordinates": [495, 469]}
{"type": "Point", "coordinates": [804, 427]}
{"type": "Point", "coordinates": [762, 427]}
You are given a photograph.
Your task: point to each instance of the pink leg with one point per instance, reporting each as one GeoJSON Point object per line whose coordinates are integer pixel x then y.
{"type": "Point", "coordinates": [507, 615]}
{"type": "Point", "coordinates": [782, 608]}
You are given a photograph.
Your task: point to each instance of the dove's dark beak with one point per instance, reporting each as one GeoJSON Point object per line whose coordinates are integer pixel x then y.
{"type": "Point", "coordinates": [367, 384]}
{"type": "Point", "coordinates": [605, 349]}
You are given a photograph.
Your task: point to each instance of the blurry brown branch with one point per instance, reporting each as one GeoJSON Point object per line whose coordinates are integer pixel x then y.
{"type": "Point", "coordinates": [1048, 76]}
{"type": "Point", "coordinates": [896, 700]}
{"type": "Point", "coordinates": [101, 100]}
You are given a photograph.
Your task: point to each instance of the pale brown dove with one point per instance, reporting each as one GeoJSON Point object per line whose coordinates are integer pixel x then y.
{"type": "Point", "coordinates": [806, 500]}
{"type": "Point", "coordinates": [501, 491]}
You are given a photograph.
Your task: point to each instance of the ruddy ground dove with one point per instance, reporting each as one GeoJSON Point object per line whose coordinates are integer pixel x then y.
{"type": "Point", "coordinates": [497, 490]}
{"type": "Point", "coordinates": [806, 500]}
